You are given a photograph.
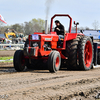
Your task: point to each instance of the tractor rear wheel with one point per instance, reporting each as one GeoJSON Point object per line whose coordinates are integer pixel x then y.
{"type": "Point", "coordinates": [54, 61]}
{"type": "Point", "coordinates": [72, 53]}
{"type": "Point", "coordinates": [85, 53]}
{"type": "Point", "coordinates": [98, 57]}
{"type": "Point", "coordinates": [19, 61]}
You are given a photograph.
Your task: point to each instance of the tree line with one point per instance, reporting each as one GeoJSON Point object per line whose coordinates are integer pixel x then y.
{"type": "Point", "coordinates": [35, 25]}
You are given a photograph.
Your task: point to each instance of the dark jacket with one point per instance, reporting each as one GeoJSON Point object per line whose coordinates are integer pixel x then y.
{"type": "Point", "coordinates": [61, 27]}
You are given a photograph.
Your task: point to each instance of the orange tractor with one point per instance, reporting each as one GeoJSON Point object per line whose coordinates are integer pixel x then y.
{"type": "Point", "coordinates": [75, 53]}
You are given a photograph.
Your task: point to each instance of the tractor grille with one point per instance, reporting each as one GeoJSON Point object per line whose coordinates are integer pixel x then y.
{"type": "Point", "coordinates": [35, 44]}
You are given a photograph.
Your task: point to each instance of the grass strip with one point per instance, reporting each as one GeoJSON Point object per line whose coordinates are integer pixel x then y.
{"type": "Point", "coordinates": [7, 59]}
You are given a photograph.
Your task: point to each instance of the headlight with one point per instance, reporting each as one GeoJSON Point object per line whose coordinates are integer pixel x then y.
{"type": "Point", "coordinates": [35, 37]}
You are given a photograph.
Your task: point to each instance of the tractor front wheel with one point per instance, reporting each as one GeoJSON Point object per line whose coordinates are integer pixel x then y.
{"type": "Point", "coordinates": [54, 61]}
{"type": "Point", "coordinates": [19, 61]}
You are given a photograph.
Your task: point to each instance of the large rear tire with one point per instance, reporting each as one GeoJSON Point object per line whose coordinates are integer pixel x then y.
{"type": "Point", "coordinates": [72, 53]}
{"type": "Point", "coordinates": [98, 57]}
{"type": "Point", "coordinates": [54, 61]}
{"type": "Point", "coordinates": [85, 53]}
{"type": "Point", "coordinates": [19, 61]}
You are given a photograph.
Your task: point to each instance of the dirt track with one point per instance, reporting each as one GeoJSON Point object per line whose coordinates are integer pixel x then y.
{"type": "Point", "coordinates": [7, 53]}
{"type": "Point", "coordinates": [42, 85]}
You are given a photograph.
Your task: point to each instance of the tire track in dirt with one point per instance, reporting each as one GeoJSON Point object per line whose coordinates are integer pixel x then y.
{"type": "Point", "coordinates": [62, 88]}
{"type": "Point", "coordinates": [61, 85]}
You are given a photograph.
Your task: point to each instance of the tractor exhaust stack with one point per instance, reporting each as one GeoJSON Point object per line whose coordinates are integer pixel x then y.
{"type": "Point", "coordinates": [46, 26]}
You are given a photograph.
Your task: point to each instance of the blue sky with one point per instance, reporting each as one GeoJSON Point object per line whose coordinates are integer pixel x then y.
{"type": "Point", "coordinates": [19, 11]}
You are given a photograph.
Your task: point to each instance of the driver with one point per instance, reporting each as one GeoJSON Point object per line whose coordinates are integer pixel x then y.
{"type": "Point", "coordinates": [59, 29]}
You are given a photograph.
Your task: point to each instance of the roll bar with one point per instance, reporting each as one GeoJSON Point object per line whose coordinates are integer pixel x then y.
{"type": "Point", "coordinates": [62, 15]}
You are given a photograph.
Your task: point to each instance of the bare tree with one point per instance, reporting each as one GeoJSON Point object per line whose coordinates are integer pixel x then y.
{"type": "Point", "coordinates": [95, 24]}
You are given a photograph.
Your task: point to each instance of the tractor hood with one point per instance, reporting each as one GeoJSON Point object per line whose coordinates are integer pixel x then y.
{"type": "Point", "coordinates": [44, 37]}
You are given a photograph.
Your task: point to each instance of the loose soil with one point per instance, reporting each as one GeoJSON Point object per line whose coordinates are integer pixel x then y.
{"type": "Point", "coordinates": [42, 85]}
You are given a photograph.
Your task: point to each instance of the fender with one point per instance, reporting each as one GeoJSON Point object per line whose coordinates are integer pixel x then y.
{"type": "Point", "coordinates": [69, 36]}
